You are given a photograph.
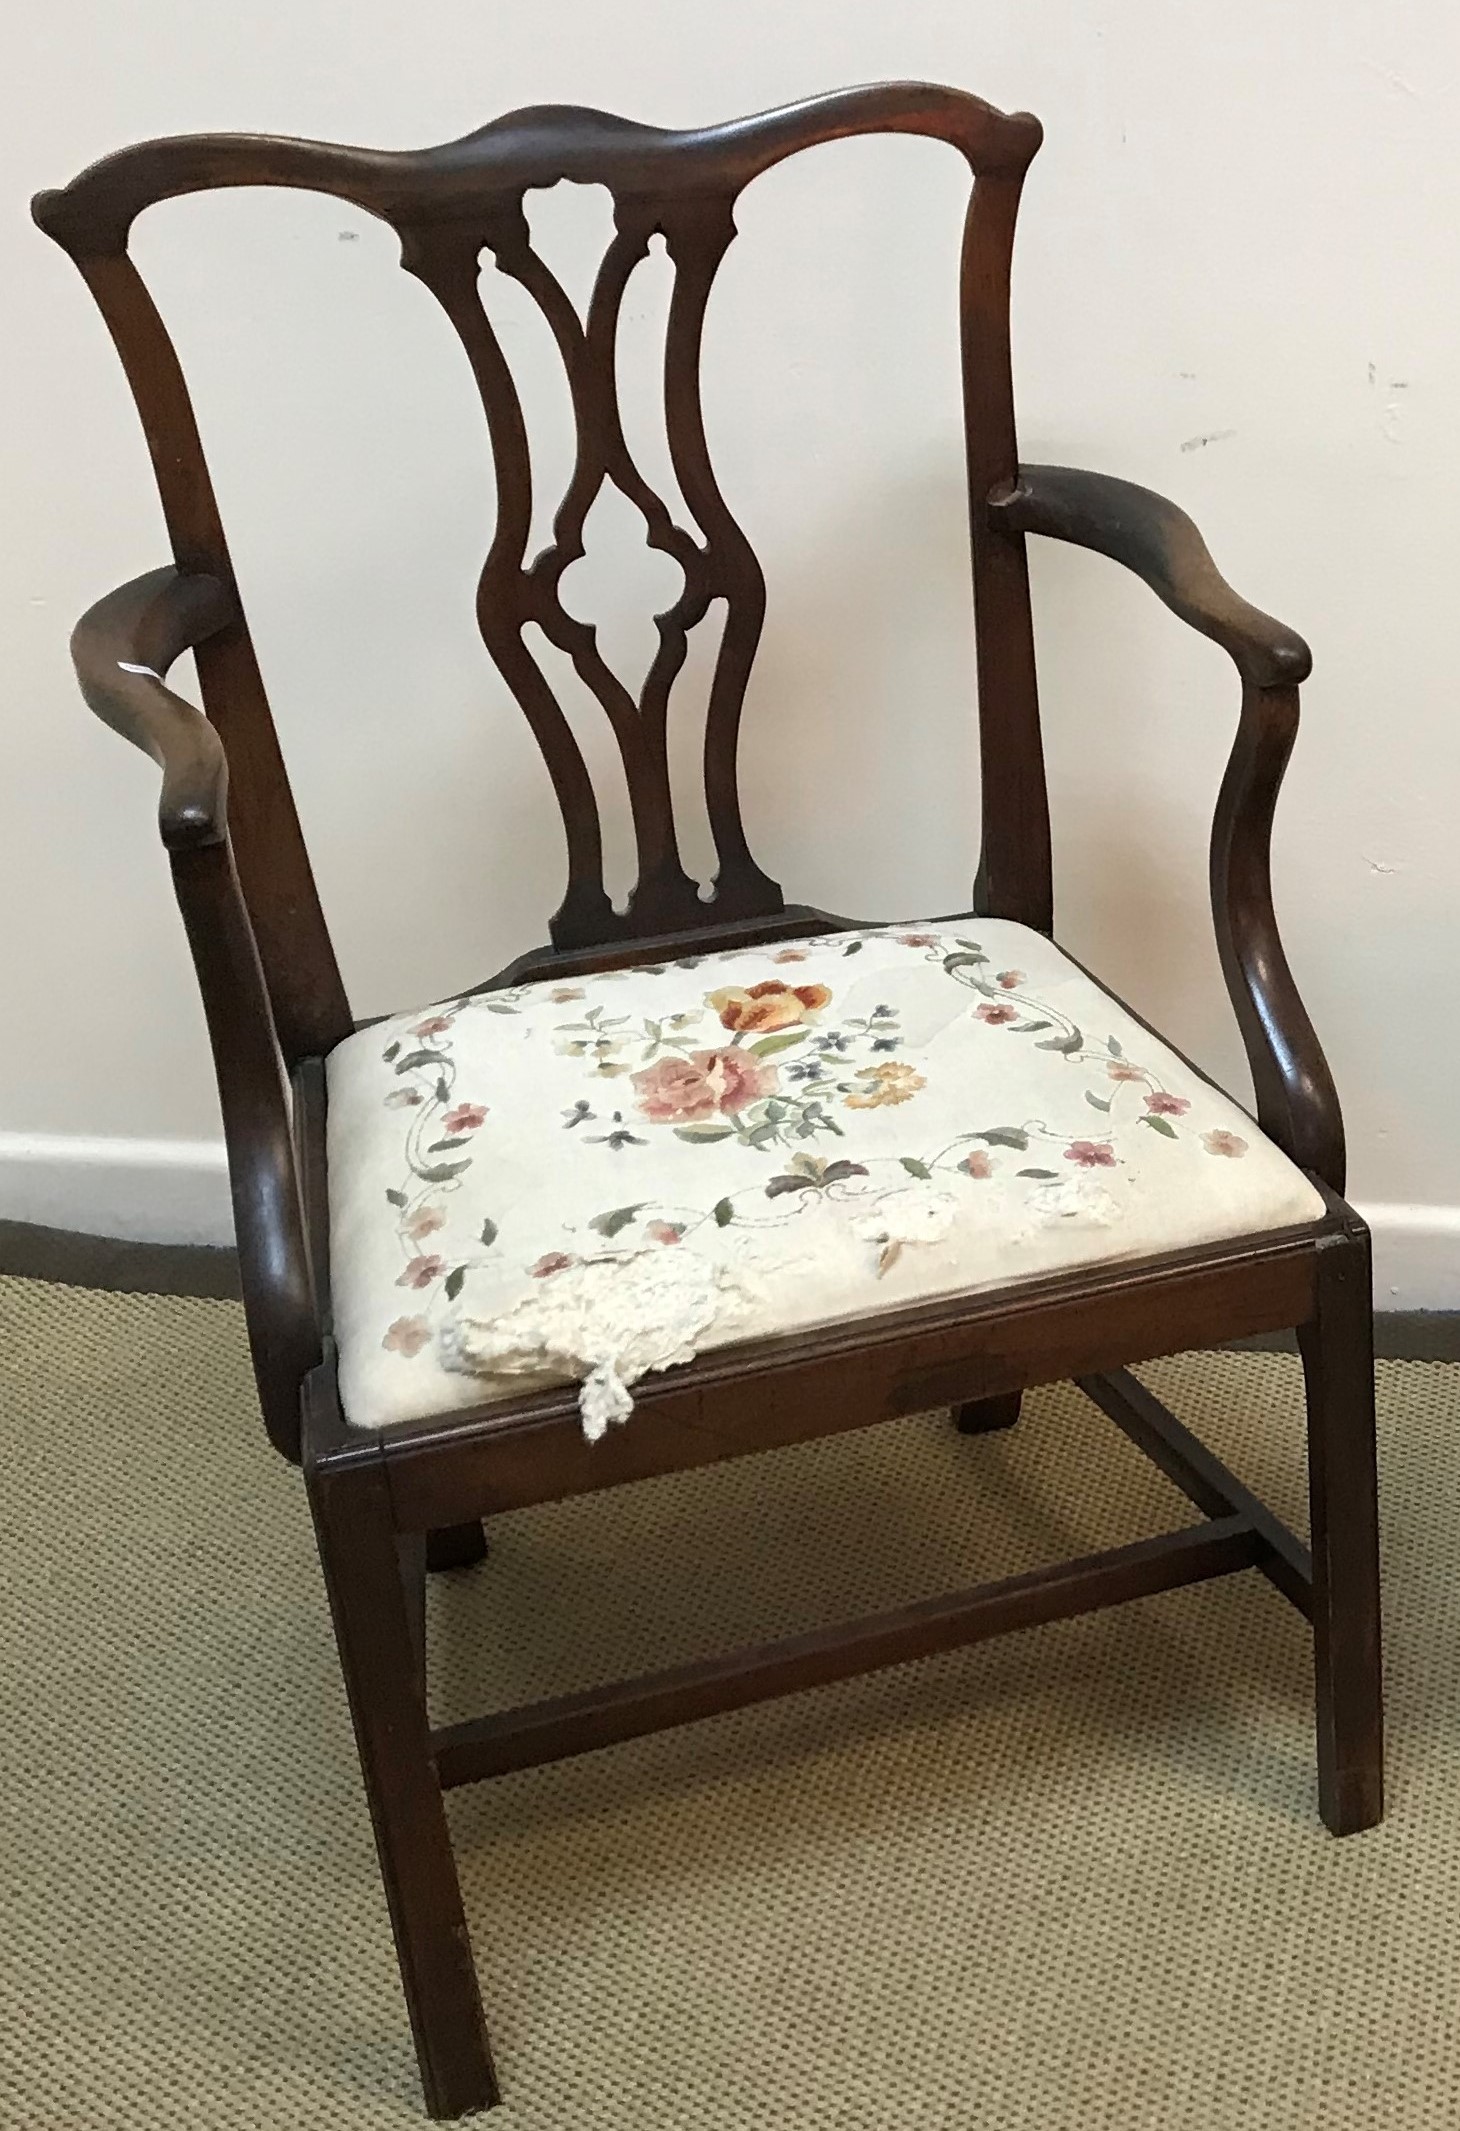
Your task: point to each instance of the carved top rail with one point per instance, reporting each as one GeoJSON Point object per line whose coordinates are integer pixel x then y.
{"type": "Point", "coordinates": [451, 204]}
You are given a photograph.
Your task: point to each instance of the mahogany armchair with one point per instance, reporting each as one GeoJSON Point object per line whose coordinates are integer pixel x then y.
{"type": "Point", "coordinates": [757, 1172]}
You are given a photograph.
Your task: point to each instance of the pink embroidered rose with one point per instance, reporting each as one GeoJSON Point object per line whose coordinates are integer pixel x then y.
{"type": "Point", "coordinates": [562, 993]}
{"type": "Point", "coordinates": [1010, 979]}
{"type": "Point", "coordinates": [423, 1222]}
{"type": "Point", "coordinates": [465, 1117]}
{"type": "Point", "coordinates": [422, 1270]}
{"type": "Point", "coordinates": [767, 1006]}
{"type": "Point", "coordinates": [1091, 1153]}
{"type": "Point", "coordinates": [1160, 1104]}
{"type": "Point", "coordinates": [996, 1016]}
{"type": "Point", "coordinates": [553, 1261]}
{"type": "Point", "coordinates": [406, 1336]}
{"type": "Point", "coordinates": [433, 1025]}
{"type": "Point", "coordinates": [918, 939]}
{"type": "Point", "coordinates": [664, 1231]}
{"type": "Point", "coordinates": [790, 954]}
{"type": "Point", "coordinates": [402, 1099]}
{"type": "Point", "coordinates": [1122, 1069]}
{"type": "Point", "coordinates": [678, 1091]}
{"type": "Point", "coordinates": [1229, 1143]}
{"type": "Point", "coordinates": [977, 1164]}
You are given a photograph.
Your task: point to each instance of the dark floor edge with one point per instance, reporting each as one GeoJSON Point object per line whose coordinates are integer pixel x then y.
{"type": "Point", "coordinates": [122, 1268]}
{"type": "Point", "coordinates": [115, 1265]}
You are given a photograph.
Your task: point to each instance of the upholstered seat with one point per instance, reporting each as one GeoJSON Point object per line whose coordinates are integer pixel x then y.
{"type": "Point", "coordinates": [596, 1177]}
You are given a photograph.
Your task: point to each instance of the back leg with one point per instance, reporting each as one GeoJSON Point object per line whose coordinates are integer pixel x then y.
{"type": "Point", "coordinates": [985, 1416]}
{"type": "Point", "coordinates": [456, 1546]}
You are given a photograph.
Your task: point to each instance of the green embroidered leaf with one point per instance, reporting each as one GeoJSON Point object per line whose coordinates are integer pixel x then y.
{"type": "Point", "coordinates": [443, 1089]}
{"type": "Point", "coordinates": [768, 1045]}
{"type": "Point", "coordinates": [703, 1134]}
{"type": "Point", "coordinates": [838, 1172]}
{"type": "Point", "coordinates": [441, 1172]}
{"type": "Point", "coordinates": [396, 1198]}
{"type": "Point", "coordinates": [453, 1282]}
{"type": "Point", "coordinates": [444, 1146]}
{"type": "Point", "coordinates": [1068, 1044]}
{"type": "Point", "coordinates": [916, 1168]}
{"type": "Point", "coordinates": [974, 948]}
{"type": "Point", "coordinates": [414, 1060]}
{"type": "Point", "coordinates": [391, 1050]}
{"type": "Point", "coordinates": [779, 1185]}
{"type": "Point", "coordinates": [495, 1006]}
{"type": "Point", "coordinates": [489, 1233]}
{"type": "Point", "coordinates": [1113, 1047]}
{"type": "Point", "coordinates": [854, 947]}
{"type": "Point", "coordinates": [763, 1134]}
{"type": "Point", "coordinates": [724, 1213]}
{"type": "Point", "coordinates": [973, 959]}
{"type": "Point", "coordinates": [1029, 1028]}
{"type": "Point", "coordinates": [1158, 1124]}
{"type": "Point", "coordinates": [1006, 1135]}
{"type": "Point", "coordinates": [1097, 1102]}
{"type": "Point", "coordinates": [609, 1224]}
{"type": "Point", "coordinates": [1044, 1176]}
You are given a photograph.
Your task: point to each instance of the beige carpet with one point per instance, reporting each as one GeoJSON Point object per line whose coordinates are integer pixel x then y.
{"type": "Point", "coordinates": [1072, 1881]}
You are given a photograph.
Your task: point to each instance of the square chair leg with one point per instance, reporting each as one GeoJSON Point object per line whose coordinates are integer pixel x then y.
{"type": "Point", "coordinates": [986, 1416]}
{"type": "Point", "coordinates": [1338, 1364]}
{"type": "Point", "coordinates": [372, 1581]}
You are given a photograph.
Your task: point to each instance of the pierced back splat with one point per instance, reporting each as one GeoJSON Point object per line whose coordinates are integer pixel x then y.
{"type": "Point", "coordinates": [452, 205]}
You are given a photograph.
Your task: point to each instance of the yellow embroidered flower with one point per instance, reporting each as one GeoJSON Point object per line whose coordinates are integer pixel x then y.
{"type": "Point", "coordinates": [892, 1082]}
{"type": "Point", "coordinates": [767, 1006]}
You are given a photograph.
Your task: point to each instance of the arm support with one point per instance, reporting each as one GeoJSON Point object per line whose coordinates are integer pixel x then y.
{"type": "Point", "coordinates": [1297, 1104]}
{"type": "Point", "coordinates": [122, 648]}
{"type": "Point", "coordinates": [1159, 542]}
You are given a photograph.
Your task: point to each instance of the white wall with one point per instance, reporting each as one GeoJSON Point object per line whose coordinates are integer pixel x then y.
{"type": "Point", "coordinates": [1236, 281]}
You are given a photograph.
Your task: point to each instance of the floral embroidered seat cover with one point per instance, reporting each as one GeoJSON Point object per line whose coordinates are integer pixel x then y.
{"type": "Point", "coordinates": [591, 1179]}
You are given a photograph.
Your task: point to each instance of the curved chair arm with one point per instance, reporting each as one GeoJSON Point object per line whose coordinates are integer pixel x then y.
{"type": "Point", "coordinates": [1297, 1104]}
{"type": "Point", "coordinates": [122, 648]}
{"type": "Point", "coordinates": [1137, 527]}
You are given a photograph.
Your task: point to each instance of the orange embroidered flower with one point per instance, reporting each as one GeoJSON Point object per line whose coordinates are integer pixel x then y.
{"type": "Point", "coordinates": [1229, 1143]}
{"type": "Point", "coordinates": [421, 1271]}
{"type": "Point", "coordinates": [1122, 1069]}
{"type": "Point", "coordinates": [406, 1336]}
{"type": "Point", "coordinates": [562, 993]}
{"type": "Point", "coordinates": [888, 1083]}
{"type": "Point", "coordinates": [677, 1091]}
{"type": "Point", "coordinates": [771, 1005]}
{"type": "Point", "coordinates": [790, 954]}
{"type": "Point", "coordinates": [977, 1164]}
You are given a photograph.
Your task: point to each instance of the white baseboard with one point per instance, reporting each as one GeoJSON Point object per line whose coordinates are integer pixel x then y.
{"type": "Point", "coordinates": [1416, 1256]}
{"type": "Point", "coordinates": [146, 1190]}
{"type": "Point", "coordinates": [176, 1191]}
